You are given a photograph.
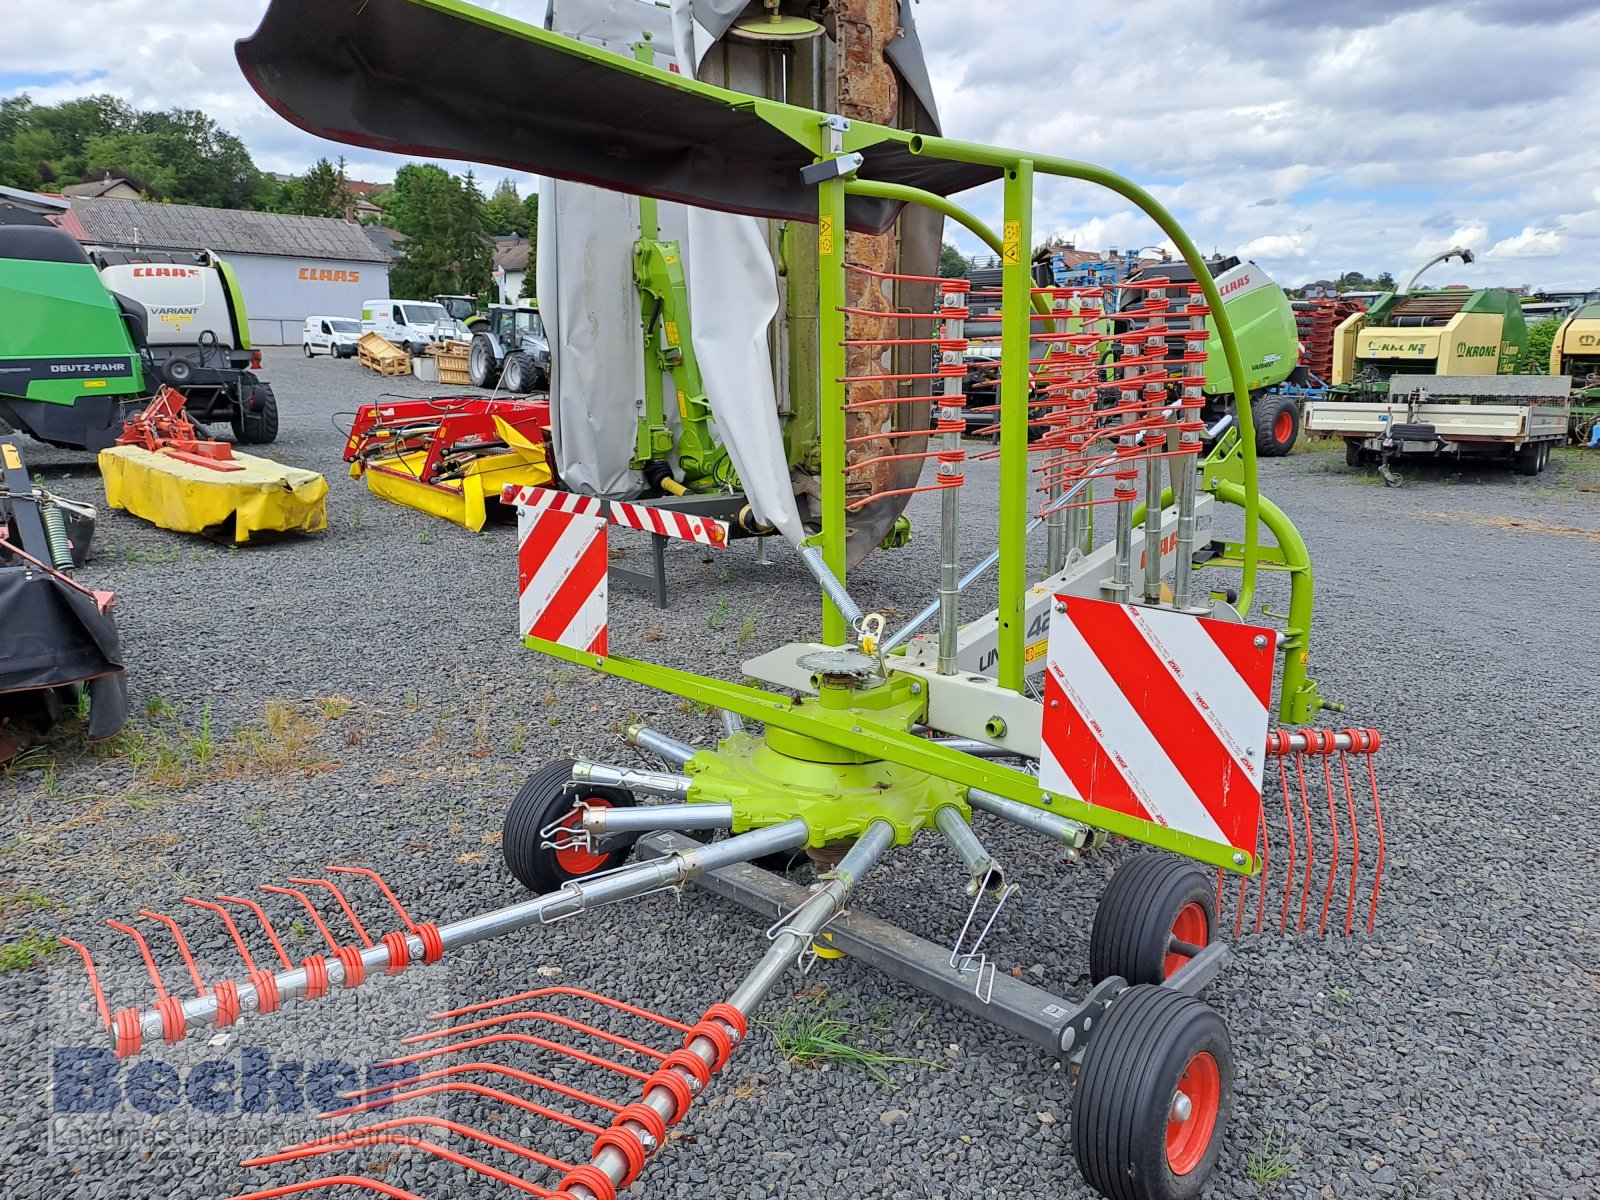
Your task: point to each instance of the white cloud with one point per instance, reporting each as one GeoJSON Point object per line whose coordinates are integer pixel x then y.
{"type": "Point", "coordinates": [1530, 243]}
{"type": "Point", "coordinates": [1277, 247]}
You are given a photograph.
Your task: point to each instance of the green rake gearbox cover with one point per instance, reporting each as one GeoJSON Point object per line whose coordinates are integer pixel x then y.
{"type": "Point", "coordinates": [837, 800]}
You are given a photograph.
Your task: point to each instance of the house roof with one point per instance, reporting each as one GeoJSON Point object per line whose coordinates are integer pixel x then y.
{"type": "Point", "coordinates": [512, 256]}
{"type": "Point", "coordinates": [41, 202]}
{"type": "Point", "coordinates": [385, 239]}
{"type": "Point", "coordinates": [97, 187]}
{"type": "Point", "coordinates": [224, 230]}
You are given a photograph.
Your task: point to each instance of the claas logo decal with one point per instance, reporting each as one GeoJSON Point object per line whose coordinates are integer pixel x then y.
{"type": "Point", "coordinates": [165, 272]}
{"type": "Point", "coordinates": [327, 275]}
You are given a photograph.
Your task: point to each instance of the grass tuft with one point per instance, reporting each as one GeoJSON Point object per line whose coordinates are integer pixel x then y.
{"type": "Point", "coordinates": [1271, 1161]}
{"type": "Point", "coordinates": [816, 1032]}
{"type": "Point", "coordinates": [27, 952]}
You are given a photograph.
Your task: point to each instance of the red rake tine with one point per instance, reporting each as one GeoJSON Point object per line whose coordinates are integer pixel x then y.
{"type": "Point", "coordinates": [1311, 846]}
{"type": "Point", "coordinates": [455, 1127]}
{"type": "Point", "coordinates": [322, 926]}
{"type": "Point", "coordinates": [332, 1181]}
{"type": "Point", "coordinates": [94, 979]}
{"type": "Point", "coordinates": [433, 1148]}
{"type": "Point", "coordinates": [632, 1010]}
{"type": "Point", "coordinates": [272, 934]}
{"type": "Point", "coordinates": [1333, 825]}
{"type": "Point", "coordinates": [349, 912]}
{"type": "Point", "coordinates": [474, 1089]}
{"type": "Point", "coordinates": [1266, 870]}
{"type": "Point", "coordinates": [233, 930]}
{"type": "Point", "coordinates": [488, 1068]}
{"type": "Point", "coordinates": [537, 1015]}
{"type": "Point", "coordinates": [1377, 812]}
{"type": "Point", "coordinates": [1355, 841]}
{"type": "Point", "coordinates": [183, 947]}
{"type": "Point", "coordinates": [526, 1039]}
{"type": "Point", "coordinates": [411, 926]}
{"type": "Point", "coordinates": [149, 960]}
{"type": "Point", "coordinates": [1288, 818]}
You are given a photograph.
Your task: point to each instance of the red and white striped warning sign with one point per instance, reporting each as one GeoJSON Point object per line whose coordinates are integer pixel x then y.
{"type": "Point", "coordinates": [708, 531]}
{"type": "Point", "coordinates": [561, 567]}
{"type": "Point", "coordinates": [1158, 715]}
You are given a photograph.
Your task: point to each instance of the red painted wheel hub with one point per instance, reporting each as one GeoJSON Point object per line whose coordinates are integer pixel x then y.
{"type": "Point", "coordinates": [1188, 1139]}
{"type": "Point", "coordinates": [1190, 926]}
{"type": "Point", "coordinates": [575, 860]}
{"type": "Point", "coordinates": [1283, 427]}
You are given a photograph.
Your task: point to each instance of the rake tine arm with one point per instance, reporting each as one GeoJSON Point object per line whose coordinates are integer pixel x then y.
{"type": "Point", "coordinates": [350, 965]}
{"type": "Point", "coordinates": [376, 1186]}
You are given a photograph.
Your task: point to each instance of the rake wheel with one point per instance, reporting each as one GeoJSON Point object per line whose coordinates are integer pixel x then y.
{"type": "Point", "coordinates": [1154, 1097]}
{"type": "Point", "coordinates": [544, 800]}
{"type": "Point", "coordinates": [1157, 913]}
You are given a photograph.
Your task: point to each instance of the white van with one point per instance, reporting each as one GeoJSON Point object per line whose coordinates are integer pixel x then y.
{"type": "Point", "coordinates": [334, 336]}
{"type": "Point", "coordinates": [409, 323]}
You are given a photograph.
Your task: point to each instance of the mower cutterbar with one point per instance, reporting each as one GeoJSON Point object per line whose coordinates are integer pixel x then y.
{"type": "Point", "coordinates": [1152, 723]}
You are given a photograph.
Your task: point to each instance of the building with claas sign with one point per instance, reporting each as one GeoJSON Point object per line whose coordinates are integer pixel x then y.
{"type": "Point", "coordinates": [288, 267]}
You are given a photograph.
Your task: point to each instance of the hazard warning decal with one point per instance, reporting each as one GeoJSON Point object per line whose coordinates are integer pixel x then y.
{"type": "Point", "coordinates": [1158, 715]}
{"type": "Point", "coordinates": [561, 567]}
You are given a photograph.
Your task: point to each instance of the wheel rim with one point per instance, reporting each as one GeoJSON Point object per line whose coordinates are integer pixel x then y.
{"type": "Point", "coordinates": [1192, 1119]}
{"type": "Point", "coordinates": [1189, 926]}
{"type": "Point", "coordinates": [1283, 427]}
{"type": "Point", "coordinates": [576, 860]}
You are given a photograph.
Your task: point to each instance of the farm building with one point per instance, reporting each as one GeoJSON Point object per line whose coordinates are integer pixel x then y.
{"type": "Point", "coordinates": [289, 267]}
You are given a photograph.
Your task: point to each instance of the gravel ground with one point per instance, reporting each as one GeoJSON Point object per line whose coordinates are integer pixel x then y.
{"type": "Point", "coordinates": [360, 697]}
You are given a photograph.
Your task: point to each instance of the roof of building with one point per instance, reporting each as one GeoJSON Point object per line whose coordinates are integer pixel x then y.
{"type": "Point", "coordinates": [385, 239]}
{"type": "Point", "coordinates": [41, 202]}
{"type": "Point", "coordinates": [512, 256]}
{"type": "Point", "coordinates": [98, 187]}
{"type": "Point", "coordinates": [224, 230]}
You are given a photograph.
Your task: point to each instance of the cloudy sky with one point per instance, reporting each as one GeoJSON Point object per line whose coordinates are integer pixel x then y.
{"type": "Point", "coordinates": [1313, 136]}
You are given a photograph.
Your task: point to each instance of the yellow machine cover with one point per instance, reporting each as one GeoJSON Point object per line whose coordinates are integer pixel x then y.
{"type": "Point", "coordinates": [264, 497]}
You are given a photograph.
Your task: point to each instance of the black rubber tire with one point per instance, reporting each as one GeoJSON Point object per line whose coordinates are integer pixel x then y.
{"type": "Point", "coordinates": [179, 372]}
{"type": "Point", "coordinates": [306, 346]}
{"type": "Point", "coordinates": [543, 800]}
{"type": "Point", "coordinates": [482, 365]}
{"type": "Point", "coordinates": [1353, 452]}
{"type": "Point", "coordinates": [1271, 441]}
{"type": "Point", "coordinates": [256, 423]}
{"type": "Point", "coordinates": [1133, 924]}
{"type": "Point", "coordinates": [1131, 1069]}
{"type": "Point", "coordinates": [1531, 459]}
{"type": "Point", "coordinates": [518, 374]}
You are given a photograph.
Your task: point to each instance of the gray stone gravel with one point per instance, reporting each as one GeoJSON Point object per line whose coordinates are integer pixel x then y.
{"type": "Point", "coordinates": [1453, 1053]}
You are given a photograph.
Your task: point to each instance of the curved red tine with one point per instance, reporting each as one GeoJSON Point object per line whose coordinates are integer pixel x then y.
{"type": "Point", "coordinates": [1355, 841]}
{"type": "Point", "coordinates": [411, 926]}
{"type": "Point", "coordinates": [540, 993]}
{"type": "Point", "coordinates": [433, 1148]}
{"type": "Point", "coordinates": [149, 960]}
{"type": "Point", "coordinates": [526, 1039]}
{"type": "Point", "coordinates": [233, 929]}
{"type": "Point", "coordinates": [455, 1127]}
{"type": "Point", "coordinates": [331, 1181]}
{"type": "Point", "coordinates": [488, 1068]}
{"type": "Point", "coordinates": [1377, 812]}
{"type": "Point", "coordinates": [343, 903]}
{"type": "Point", "coordinates": [1311, 846]}
{"type": "Point", "coordinates": [183, 947]}
{"type": "Point", "coordinates": [322, 926]}
{"type": "Point", "coordinates": [94, 979]}
{"type": "Point", "coordinates": [1288, 820]}
{"type": "Point", "coordinates": [272, 934]}
{"type": "Point", "coordinates": [1333, 825]}
{"type": "Point", "coordinates": [605, 1035]}
{"type": "Point", "coordinates": [475, 1089]}
{"type": "Point", "coordinates": [1266, 870]}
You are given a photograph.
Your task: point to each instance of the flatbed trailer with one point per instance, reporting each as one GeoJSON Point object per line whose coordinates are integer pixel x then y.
{"type": "Point", "coordinates": [1517, 417]}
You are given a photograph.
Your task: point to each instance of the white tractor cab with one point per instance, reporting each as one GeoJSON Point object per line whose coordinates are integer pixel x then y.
{"type": "Point", "coordinates": [412, 324]}
{"type": "Point", "coordinates": [187, 316]}
{"type": "Point", "coordinates": [333, 336]}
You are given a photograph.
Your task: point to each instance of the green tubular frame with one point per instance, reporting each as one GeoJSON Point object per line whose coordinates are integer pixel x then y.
{"type": "Point", "coordinates": [1235, 484]}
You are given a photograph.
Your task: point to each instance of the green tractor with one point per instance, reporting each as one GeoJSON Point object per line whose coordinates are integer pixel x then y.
{"type": "Point", "coordinates": [77, 357]}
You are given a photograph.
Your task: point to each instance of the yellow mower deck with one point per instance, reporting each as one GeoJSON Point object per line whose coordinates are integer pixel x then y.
{"type": "Point", "coordinates": [264, 496]}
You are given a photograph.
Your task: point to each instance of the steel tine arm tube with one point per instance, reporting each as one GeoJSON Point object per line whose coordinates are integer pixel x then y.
{"type": "Point", "coordinates": [950, 414]}
{"type": "Point", "coordinates": [976, 748]}
{"type": "Point", "coordinates": [578, 896]}
{"type": "Point", "coordinates": [830, 584]}
{"type": "Point", "coordinates": [663, 747]}
{"type": "Point", "coordinates": [1069, 833]}
{"type": "Point", "coordinates": [979, 862]}
{"type": "Point", "coordinates": [651, 783]}
{"type": "Point", "coordinates": [651, 817]}
{"type": "Point", "coordinates": [821, 906]}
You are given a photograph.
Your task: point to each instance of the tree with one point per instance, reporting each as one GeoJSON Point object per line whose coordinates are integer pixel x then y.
{"type": "Point", "coordinates": [1535, 359]}
{"type": "Point", "coordinates": [442, 218]}
{"type": "Point", "coordinates": [952, 263]}
{"type": "Point", "coordinates": [321, 192]}
{"type": "Point", "coordinates": [504, 211]}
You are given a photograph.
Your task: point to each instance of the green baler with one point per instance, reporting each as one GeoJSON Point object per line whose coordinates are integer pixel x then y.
{"type": "Point", "coordinates": [53, 302]}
